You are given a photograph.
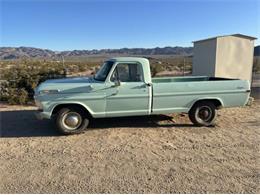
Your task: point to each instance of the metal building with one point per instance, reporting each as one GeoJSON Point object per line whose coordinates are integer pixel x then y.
{"type": "Point", "coordinates": [229, 56]}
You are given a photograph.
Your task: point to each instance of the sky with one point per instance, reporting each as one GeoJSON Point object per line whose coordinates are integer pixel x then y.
{"type": "Point", "coordinates": [87, 24]}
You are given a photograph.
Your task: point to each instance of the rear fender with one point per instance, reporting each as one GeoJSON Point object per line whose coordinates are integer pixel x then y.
{"type": "Point", "coordinates": [207, 99]}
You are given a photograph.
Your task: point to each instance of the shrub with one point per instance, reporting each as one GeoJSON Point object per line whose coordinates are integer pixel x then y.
{"type": "Point", "coordinates": [155, 69]}
{"type": "Point", "coordinates": [17, 96]}
{"type": "Point", "coordinates": [18, 81]}
{"type": "Point", "coordinates": [4, 90]}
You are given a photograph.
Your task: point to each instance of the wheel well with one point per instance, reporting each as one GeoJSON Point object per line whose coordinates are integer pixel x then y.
{"type": "Point", "coordinates": [216, 102]}
{"type": "Point", "coordinates": [75, 106]}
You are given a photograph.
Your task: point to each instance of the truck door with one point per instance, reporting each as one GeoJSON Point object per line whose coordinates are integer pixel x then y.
{"type": "Point", "coordinates": [127, 93]}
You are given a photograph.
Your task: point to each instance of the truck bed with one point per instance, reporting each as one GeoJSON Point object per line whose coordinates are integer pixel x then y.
{"type": "Point", "coordinates": [178, 94]}
{"type": "Point", "coordinates": [187, 79]}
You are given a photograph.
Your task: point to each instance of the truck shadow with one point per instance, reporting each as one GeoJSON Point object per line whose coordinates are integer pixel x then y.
{"type": "Point", "coordinates": [23, 123]}
{"type": "Point", "coordinates": [255, 92]}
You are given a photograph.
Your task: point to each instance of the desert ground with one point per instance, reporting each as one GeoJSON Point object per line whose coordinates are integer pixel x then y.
{"type": "Point", "coordinates": [159, 154]}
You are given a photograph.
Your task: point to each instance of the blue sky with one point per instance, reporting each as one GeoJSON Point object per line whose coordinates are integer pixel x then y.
{"type": "Point", "coordinates": [88, 24]}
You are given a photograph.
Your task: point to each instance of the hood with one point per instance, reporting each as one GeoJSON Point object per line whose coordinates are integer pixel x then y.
{"type": "Point", "coordinates": [69, 85]}
{"type": "Point", "coordinates": [71, 80]}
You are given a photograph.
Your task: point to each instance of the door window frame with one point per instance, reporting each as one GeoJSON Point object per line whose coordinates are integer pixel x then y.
{"type": "Point", "coordinates": [109, 76]}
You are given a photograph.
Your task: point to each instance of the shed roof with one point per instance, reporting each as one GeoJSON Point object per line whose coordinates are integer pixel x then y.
{"type": "Point", "coordinates": [234, 35]}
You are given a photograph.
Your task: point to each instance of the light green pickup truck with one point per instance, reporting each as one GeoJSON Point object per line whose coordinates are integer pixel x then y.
{"type": "Point", "coordinates": [124, 87]}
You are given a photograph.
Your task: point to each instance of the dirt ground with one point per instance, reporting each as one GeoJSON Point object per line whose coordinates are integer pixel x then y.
{"type": "Point", "coordinates": [158, 154]}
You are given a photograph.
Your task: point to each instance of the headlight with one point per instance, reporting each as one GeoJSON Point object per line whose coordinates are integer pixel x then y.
{"type": "Point", "coordinates": [51, 91]}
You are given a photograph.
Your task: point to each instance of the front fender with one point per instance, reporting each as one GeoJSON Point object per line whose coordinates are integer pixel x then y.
{"type": "Point", "coordinates": [53, 106]}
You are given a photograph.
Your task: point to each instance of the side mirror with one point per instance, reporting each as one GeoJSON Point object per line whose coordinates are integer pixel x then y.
{"type": "Point", "coordinates": [117, 83]}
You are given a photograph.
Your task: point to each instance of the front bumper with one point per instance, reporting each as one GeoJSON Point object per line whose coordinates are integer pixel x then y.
{"type": "Point", "coordinates": [42, 115]}
{"type": "Point", "coordinates": [41, 112]}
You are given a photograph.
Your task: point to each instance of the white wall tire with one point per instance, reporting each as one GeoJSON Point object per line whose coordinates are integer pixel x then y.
{"type": "Point", "coordinates": [203, 114]}
{"type": "Point", "coordinates": [71, 120]}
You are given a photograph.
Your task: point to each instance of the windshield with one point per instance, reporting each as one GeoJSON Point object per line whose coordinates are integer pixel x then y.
{"type": "Point", "coordinates": [102, 73]}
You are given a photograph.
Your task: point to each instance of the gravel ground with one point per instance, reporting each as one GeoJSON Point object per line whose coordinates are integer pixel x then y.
{"type": "Point", "coordinates": [159, 154]}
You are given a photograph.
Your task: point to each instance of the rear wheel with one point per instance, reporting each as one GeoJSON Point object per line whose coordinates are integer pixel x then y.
{"type": "Point", "coordinates": [203, 113]}
{"type": "Point", "coordinates": [71, 120]}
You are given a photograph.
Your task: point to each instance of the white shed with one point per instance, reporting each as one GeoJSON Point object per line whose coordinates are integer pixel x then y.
{"type": "Point", "coordinates": [229, 56]}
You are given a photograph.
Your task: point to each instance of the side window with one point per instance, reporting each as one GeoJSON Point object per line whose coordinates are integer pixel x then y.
{"type": "Point", "coordinates": [127, 73]}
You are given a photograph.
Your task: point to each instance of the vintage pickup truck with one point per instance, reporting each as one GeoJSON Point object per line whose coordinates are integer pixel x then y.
{"type": "Point", "coordinates": [124, 87]}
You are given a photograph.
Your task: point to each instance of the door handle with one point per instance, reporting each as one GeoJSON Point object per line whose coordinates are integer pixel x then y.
{"type": "Point", "coordinates": [145, 85]}
{"type": "Point", "coordinates": [90, 88]}
{"type": "Point", "coordinates": [148, 84]}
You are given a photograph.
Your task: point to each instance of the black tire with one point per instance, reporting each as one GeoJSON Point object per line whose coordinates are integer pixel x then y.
{"type": "Point", "coordinates": [71, 120]}
{"type": "Point", "coordinates": [203, 113]}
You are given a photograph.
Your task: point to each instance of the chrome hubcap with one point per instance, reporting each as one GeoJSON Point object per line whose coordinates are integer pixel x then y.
{"type": "Point", "coordinates": [205, 113]}
{"type": "Point", "coordinates": [71, 120]}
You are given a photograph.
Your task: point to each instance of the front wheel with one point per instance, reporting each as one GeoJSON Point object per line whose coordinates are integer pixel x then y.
{"type": "Point", "coordinates": [203, 113]}
{"type": "Point", "coordinates": [71, 121]}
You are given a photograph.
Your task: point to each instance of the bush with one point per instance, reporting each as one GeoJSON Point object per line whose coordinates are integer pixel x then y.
{"type": "Point", "coordinates": [19, 80]}
{"type": "Point", "coordinates": [155, 69]}
{"type": "Point", "coordinates": [18, 96]}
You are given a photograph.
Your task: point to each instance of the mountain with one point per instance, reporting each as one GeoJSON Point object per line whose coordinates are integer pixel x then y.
{"type": "Point", "coordinates": [9, 53]}
{"type": "Point", "coordinates": [133, 51]}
